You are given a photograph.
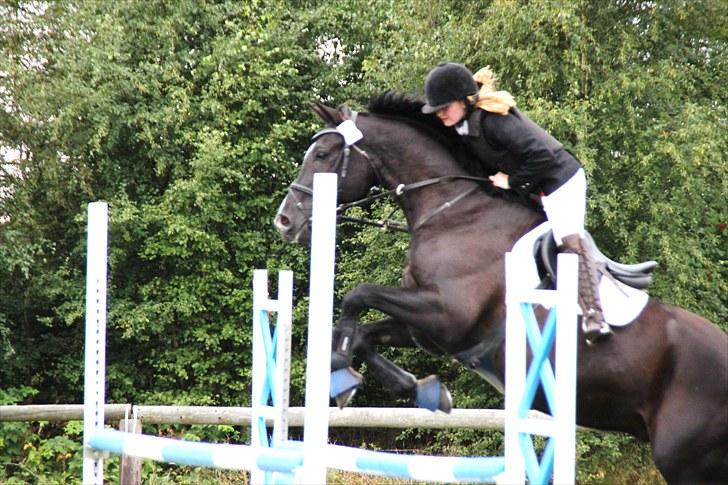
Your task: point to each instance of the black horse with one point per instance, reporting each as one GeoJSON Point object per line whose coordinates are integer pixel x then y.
{"type": "Point", "coordinates": [662, 378]}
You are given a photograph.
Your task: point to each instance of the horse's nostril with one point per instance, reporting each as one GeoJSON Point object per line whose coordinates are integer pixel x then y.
{"type": "Point", "coordinates": [282, 220]}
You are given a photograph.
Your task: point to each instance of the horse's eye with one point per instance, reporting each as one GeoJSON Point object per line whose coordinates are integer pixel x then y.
{"type": "Point", "coordinates": [320, 155]}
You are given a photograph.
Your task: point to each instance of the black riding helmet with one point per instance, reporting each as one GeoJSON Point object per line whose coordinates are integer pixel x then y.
{"type": "Point", "coordinates": [446, 83]}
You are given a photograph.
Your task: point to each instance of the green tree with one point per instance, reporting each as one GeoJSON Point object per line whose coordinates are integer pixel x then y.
{"type": "Point", "coordinates": [184, 118]}
{"type": "Point", "coordinates": [188, 118]}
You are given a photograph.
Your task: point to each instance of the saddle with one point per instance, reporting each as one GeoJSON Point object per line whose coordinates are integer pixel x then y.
{"type": "Point", "coordinates": [482, 357]}
{"type": "Point", "coordinates": [638, 275]}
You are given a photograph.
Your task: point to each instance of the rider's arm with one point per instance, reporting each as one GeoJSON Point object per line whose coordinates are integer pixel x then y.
{"type": "Point", "coordinates": [529, 144]}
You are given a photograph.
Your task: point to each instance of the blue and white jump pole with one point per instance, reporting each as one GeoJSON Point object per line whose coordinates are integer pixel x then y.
{"type": "Point", "coordinates": [280, 461]}
{"type": "Point", "coordinates": [271, 366]}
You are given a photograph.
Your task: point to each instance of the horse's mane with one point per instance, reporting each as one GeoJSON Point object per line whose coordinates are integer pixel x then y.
{"type": "Point", "coordinates": [400, 104]}
{"type": "Point", "coordinates": [408, 109]}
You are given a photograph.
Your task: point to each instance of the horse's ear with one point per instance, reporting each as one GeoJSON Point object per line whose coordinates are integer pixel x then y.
{"type": "Point", "coordinates": [344, 112]}
{"type": "Point", "coordinates": [330, 115]}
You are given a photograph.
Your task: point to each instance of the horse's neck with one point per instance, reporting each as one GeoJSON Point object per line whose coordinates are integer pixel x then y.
{"type": "Point", "coordinates": [408, 157]}
{"type": "Point", "coordinates": [459, 202]}
{"type": "Point", "coordinates": [413, 163]}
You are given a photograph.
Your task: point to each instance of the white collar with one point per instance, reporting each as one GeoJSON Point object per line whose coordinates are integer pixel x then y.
{"type": "Point", "coordinates": [462, 128]}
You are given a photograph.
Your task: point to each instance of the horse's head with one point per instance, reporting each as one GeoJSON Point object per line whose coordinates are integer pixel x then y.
{"type": "Point", "coordinates": [335, 149]}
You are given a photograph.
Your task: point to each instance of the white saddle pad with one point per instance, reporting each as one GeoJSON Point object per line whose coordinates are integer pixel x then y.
{"type": "Point", "coordinates": [621, 303]}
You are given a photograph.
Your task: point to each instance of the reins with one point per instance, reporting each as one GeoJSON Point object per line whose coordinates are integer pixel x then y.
{"type": "Point", "coordinates": [400, 190]}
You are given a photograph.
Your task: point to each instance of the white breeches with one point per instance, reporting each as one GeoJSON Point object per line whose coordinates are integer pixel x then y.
{"type": "Point", "coordinates": [566, 207]}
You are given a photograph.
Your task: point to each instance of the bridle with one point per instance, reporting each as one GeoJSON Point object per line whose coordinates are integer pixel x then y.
{"type": "Point", "coordinates": [343, 163]}
{"type": "Point", "coordinates": [343, 159]}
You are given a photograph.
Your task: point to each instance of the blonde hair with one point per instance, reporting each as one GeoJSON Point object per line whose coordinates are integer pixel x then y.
{"type": "Point", "coordinates": [488, 98]}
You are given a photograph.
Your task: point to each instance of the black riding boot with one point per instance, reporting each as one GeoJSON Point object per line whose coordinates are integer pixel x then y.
{"type": "Point", "coordinates": [592, 322]}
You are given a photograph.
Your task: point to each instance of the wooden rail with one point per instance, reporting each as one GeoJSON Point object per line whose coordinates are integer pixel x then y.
{"type": "Point", "coordinates": [59, 412]}
{"type": "Point", "coordinates": [489, 419]}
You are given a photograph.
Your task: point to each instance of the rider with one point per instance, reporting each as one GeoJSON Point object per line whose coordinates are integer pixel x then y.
{"type": "Point", "coordinates": [523, 157]}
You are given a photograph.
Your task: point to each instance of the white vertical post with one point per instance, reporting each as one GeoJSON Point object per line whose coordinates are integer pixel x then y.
{"type": "Point", "coordinates": [563, 426]}
{"type": "Point", "coordinates": [320, 316]}
{"type": "Point", "coordinates": [565, 369]}
{"type": "Point", "coordinates": [283, 356]}
{"type": "Point", "coordinates": [95, 346]}
{"type": "Point", "coordinates": [515, 468]}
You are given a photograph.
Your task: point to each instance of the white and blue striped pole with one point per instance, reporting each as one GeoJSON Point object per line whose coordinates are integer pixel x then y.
{"type": "Point", "coordinates": [444, 469]}
{"type": "Point", "coordinates": [212, 455]}
{"type": "Point", "coordinates": [288, 457]}
{"type": "Point", "coordinates": [95, 345]}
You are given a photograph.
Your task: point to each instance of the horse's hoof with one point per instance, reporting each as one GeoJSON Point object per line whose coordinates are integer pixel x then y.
{"type": "Point", "coordinates": [343, 399]}
{"type": "Point", "coordinates": [433, 395]}
{"type": "Point", "coordinates": [343, 385]}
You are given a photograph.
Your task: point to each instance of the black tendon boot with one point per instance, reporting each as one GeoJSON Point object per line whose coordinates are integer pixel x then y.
{"type": "Point", "coordinates": [592, 322]}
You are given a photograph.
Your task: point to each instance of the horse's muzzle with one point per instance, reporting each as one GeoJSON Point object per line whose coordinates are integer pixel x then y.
{"type": "Point", "coordinates": [291, 231]}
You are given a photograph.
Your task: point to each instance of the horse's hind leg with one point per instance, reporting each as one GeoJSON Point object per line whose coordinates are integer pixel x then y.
{"type": "Point", "coordinates": [418, 307]}
{"type": "Point", "coordinates": [690, 445]}
{"type": "Point", "coordinates": [415, 306]}
{"type": "Point", "coordinates": [428, 393]}
{"type": "Point", "coordinates": [689, 426]}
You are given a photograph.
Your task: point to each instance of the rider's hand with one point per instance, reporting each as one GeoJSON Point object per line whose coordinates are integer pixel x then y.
{"type": "Point", "coordinates": [500, 180]}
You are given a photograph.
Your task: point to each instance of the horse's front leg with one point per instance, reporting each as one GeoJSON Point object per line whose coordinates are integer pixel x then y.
{"type": "Point", "coordinates": [349, 339]}
{"type": "Point", "coordinates": [415, 306]}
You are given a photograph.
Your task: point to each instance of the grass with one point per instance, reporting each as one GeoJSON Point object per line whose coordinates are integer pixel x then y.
{"type": "Point", "coordinates": [334, 477]}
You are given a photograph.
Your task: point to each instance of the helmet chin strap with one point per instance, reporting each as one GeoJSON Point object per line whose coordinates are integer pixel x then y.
{"type": "Point", "coordinates": [470, 103]}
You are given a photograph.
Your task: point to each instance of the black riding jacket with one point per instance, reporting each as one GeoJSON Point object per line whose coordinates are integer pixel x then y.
{"type": "Point", "coordinates": [534, 160]}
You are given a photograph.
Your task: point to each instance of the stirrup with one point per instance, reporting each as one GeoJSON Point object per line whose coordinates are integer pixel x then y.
{"type": "Point", "coordinates": [594, 332]}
